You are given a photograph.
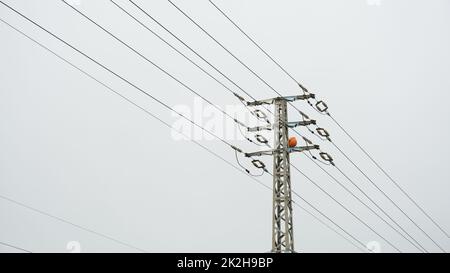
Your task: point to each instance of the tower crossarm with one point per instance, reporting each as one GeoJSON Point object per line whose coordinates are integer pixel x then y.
{"type": "Point", "coordinates": [294, 124]}
{"type": "Point", "coordinates": [287, 98]}
{"type": "Point", "coordinates": [298, 149]}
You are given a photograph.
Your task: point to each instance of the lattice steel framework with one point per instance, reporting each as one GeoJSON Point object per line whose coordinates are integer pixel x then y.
{"type": "Point", "coordinates": [282, 226]}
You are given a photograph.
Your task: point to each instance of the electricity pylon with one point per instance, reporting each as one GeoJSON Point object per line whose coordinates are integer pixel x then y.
{"type": "Point", "coordinates": [282, 225]}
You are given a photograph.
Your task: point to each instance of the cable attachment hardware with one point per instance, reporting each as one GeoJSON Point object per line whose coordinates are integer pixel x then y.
{"type": "Point", "coordinates": [237, 149]}
{"type": "Point", "coordinates": [321, 106]}
{"type": "Point", "coordinates": [307, 140]}
{"type": "Point", "coordinates": [303, 88]}
{"type": "Point", "coordinates": [260, 114]}
{"type": "Point", "coordinates": [239, 97]}
{"type": "Point", "coordinates": [240, 123]}
{"type": "Point", "coordinates": [258, 164]}
{"type": "Point", "coordinates": [306, 92]}
{"type": "Point", "coordinates": [260, 128]}
{"type": "Point", "coordinates": [261, 139]}
{"type": "Point", "coordinates": [304, 116]}
{"type": "Point", "coordinates": [326, 157]}
{"type": "Point", "coordinates": [300, 123]}
{"type": "Point", "coordinates": [323, 133]}
{"type": "Point", "coordinates": [311, 146]}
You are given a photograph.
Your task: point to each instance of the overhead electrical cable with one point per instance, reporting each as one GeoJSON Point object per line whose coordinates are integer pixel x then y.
{"type": "Point", "coordinates": [273, 89]}
{"type": "Point", "coordinates": [57, 218]}
{"type": "Point", "coordinates": [337, 123]}
{"type": "Point", "coordinates": [149, 113]}
{"type": "Point", "coordinates": [415, 243]}
{"type": "Point", "coordinates": [15, 247]}
{"type": "Point", "coordinates": [346, 209]}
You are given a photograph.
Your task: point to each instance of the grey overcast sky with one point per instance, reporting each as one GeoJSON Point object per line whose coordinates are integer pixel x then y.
{"type": "Point", "coordinates": [73, 149]}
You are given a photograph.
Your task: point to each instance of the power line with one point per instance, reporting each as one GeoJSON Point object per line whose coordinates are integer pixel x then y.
{"type": "Point", "coordinates": [157, 118]}
{"type": "Point", "coordinates": [421, 248]}
{"type": "Point", "coordinates": [230, 53]}
{"type": "Point", "coordinates": [169, 31]}
{"type": "Point", "coordinates": [376, 186]}
{"type": "Point", "coordinates": [242, 100]}
{"type": "Point", "coordinates": [364, 249]}
{"type": "Point", "coordinates": [340, 227]}
{"type": "Point", "coordinates": [151, 62]}
{"type": "Point", "coordinates": [173, 48]}
{"type": "Point", "coordinates": [222, 46]}
{"type": "Point", "coordinates": [15, 247]}
{"type": "Point", "coordinates": [190, 48]}
{"type": "Point", "coordinates": [346, 209]}
{"type": "Point", "coordinates": [123, 97]}
{"type": "Point", "coordinates": [227, 50]}
{"type": "Point", "coordinates": [390, 178]}
{"type": "Point", "coordinates": [69, 222]}
{"type": "Point", "coordinates": [184, 85]}
{"type": "Point", "coordinates": [336, 122]}
{"type": "Point", "coordinates": [373, 183]}
{"type": "Point", "coordinates": [182, 42]}
{"type": "Point", "coordinates": [265, 82]}
{"type": "Point", "coordinates": [367, 177]}
{"type": "Point", "coordinates": [314, 160]}
{"type": "Point", "coordinates": [42, 212]}
{"type": "Point", "coordinates": [329, 219]}
{"type": "Point", "coordinates": [392, 201]}
{"type": "Point", "coordinates": [256, 44]}
{"type": "Point", "coordinates": [117, 75]}
{"type": "Point", "coordinates": [171, 76]}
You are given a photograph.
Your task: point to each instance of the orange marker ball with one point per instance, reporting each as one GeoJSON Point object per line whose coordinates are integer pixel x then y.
{"type": "Point", "coordinates": [292, 142]}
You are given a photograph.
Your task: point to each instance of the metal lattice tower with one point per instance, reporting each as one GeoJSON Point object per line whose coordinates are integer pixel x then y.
{"type": "Point", "coordinates": [282, 225]}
